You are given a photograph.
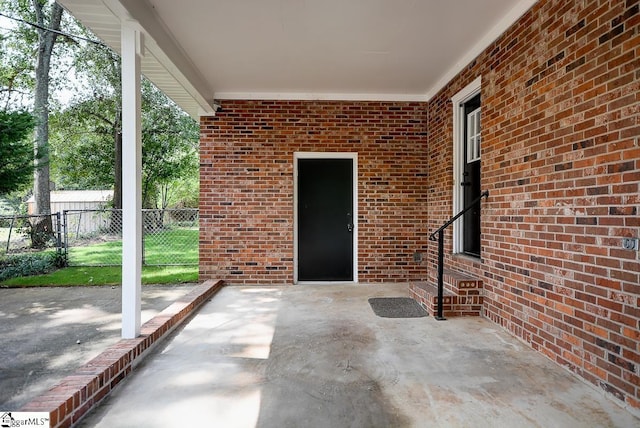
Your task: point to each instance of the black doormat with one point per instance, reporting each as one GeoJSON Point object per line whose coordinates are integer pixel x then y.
{"type": "Point", "coordinates": [396, 307]}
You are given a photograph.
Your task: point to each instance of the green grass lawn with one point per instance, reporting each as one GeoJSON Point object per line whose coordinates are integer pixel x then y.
{"type": "Point", "coordinates": [177, 246]}
{"type": "Point", "coordinates": [105, 275]}
{"type": "Point", "coordinates": [174, 246]}
{"type": "Point", "coordinates": [103, 254]}
{"type": "Point", "coordinates": [170, 256]}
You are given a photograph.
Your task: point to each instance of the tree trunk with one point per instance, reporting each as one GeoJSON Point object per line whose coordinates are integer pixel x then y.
{"type": "Point", "coordinates": [116, 215]}
{"type": "Point", "coordinates": [42, 227]}
{"type": "Point", "coordinates": [117, 182]}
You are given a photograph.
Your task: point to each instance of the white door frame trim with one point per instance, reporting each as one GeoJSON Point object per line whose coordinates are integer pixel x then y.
{"type": "Point", "coordinates": [325, 155]}
{"type": "Point", "coordinates": [458, 100]}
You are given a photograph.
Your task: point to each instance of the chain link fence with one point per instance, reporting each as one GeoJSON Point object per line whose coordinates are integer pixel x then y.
{"type": "Point", "coordinates": [30, 233]}
{"type": "Point", "coordinates": [94, 237]}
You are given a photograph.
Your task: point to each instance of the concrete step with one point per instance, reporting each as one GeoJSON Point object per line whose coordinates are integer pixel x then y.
{"type": "Point", "coordinates": [467, 303]}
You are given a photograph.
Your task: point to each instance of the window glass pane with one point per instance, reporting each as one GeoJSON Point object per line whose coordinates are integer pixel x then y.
{"type": "Point", "coordinates": [473, 136]}
{"type": "Point", "coordinates": [472, 148]}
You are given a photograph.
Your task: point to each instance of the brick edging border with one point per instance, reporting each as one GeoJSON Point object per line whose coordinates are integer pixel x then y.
{"type": "Point", "coordinates": [75, 395]}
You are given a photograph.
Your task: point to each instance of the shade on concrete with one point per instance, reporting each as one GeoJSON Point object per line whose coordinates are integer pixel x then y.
{"type": "Point", "coordinates": [319, 357]}
{"type": "Point", "coordinates": [40, 329]}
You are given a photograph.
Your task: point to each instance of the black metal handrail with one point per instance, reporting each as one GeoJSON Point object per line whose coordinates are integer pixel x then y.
{"type": "Point", "coordinates": [484, 194]}
{"type": "Point", "coordinates": [440, 233]}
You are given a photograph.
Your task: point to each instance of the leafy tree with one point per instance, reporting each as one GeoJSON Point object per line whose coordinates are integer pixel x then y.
{"type": "Point", "coordinates": [88, 136]}
{"type": "Point", "coordinates": [32, 43]}
{"type": "Point", "coordinates": [169, 146]}
{"type": "Point", "coordinates": [15, 80]}
{"type": "Point", "coordinates": [92, 125]}
{"type": "Point", "coordinates": [87, 149]}
{"type": "Point", "coordinates": [184, 193]}
{"type": "Point", "coordinates": [83, 145]}
{"type": "Point", "coordinates": [48, 17]}
{"type": "Point", "coordinates": [16, 152]}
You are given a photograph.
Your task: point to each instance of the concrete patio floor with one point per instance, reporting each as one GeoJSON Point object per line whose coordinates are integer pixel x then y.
{"type": "Point", "coordinates": [40, 329]}
{"type": "Point", "coordinates": [317, 356]}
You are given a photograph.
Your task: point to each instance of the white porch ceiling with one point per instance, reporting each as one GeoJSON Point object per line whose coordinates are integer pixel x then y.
{"type": "Point", "coordinates": [401, 50]}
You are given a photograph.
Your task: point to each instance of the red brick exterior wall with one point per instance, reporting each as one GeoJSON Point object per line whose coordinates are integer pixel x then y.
{"type": "Point", "coordinates": [561, 158]}
{"type": "Point", "coordinates": [246, 182]}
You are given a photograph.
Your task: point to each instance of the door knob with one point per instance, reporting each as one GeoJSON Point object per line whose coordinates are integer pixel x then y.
{"type": "Point", "coordinates": [350, 227]}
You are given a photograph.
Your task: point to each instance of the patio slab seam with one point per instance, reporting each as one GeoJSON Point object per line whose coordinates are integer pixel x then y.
{"type": "Point", "coordinates": [71, 399]}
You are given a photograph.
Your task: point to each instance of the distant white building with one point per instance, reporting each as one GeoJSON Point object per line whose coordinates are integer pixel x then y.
{"type": "Point", "coordinates": [79, 200]}
{"type": "Point", "coordinates": [62, 200]}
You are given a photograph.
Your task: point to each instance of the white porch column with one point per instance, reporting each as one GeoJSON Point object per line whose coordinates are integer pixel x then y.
{"type": "Point", "coordinates": [131, 182]}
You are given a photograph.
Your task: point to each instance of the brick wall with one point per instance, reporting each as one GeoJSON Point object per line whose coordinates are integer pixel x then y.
{"type": "Point", "coordinates": [246, 182]}
{"type": "Point", "coordinates": [561, 158]}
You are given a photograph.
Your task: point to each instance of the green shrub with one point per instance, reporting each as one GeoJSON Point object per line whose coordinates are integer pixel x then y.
{"type": "Point", "coordinates": [30, 264]}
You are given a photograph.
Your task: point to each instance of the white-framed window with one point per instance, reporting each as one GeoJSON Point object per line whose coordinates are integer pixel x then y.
{"type": "Point", "coordinates": [458, 101]}
{"type": "Point", "coordinates": [473, 136]}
